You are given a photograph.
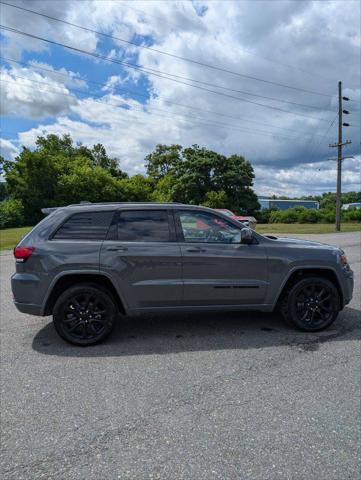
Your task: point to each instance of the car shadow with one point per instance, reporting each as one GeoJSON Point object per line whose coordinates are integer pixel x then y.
{"type": "Point", "coordinates": [175, 333]}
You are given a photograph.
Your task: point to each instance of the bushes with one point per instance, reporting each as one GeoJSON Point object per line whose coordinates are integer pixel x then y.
{"type": "Point", "coordinates": [291, 215]}
{"type": "Point", "coordinates": [310, 216]}
{"type": "Point", "coordinates": [306, 215]}
{"type": "Point", "coordinates": [352, 215]}
{"type": "Point", "coordinates": [11, 213]}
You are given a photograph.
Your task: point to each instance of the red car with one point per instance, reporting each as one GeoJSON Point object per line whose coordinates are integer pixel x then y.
{"type": "Point", "coordinates": [248, 221]}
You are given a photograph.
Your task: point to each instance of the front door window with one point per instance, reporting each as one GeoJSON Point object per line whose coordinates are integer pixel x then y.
{"type": "Point", "coordinates": [201, 227]}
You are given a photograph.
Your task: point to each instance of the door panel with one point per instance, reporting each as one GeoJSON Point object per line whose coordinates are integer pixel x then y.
{"type": "Point", "coordinates": [148, 274]}
{"type": "Point", "coordinates": [217, 268]}
{"type": "Point", "coordinates": [144, 258]}
{"type": "Point", "coordinates": [228, 274]}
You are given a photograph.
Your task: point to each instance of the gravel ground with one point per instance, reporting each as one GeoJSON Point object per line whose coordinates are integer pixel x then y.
{"type": "Point", "coordinates": [211, 396]}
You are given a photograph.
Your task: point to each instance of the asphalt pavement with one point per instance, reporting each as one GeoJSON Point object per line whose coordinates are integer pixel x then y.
{"type": "Point", "coordinates": [236, 396]}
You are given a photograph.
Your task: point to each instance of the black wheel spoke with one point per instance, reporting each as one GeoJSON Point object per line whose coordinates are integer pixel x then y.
{"type": "Point", "coordinates": [314, 305]}
{"type": "Point", "coordinates": [75, 326]}
{"type": "Point", "coordinates": [319, 296]}
{"type": "Point", "coordinates": [325, 299]}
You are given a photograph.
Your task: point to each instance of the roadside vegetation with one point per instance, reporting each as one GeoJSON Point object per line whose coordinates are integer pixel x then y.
{"type": "Point", "coordinates": [10, 237]}
{"type": "Point", "coordinates": [58, 172]}
{"type": "Point", "coordinates": [296, 228]}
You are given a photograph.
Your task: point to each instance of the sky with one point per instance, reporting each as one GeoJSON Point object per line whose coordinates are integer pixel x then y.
{"type": "Point", "coordinates": [255, 78]}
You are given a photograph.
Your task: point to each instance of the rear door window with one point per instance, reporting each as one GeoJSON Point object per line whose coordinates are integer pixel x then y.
{"type": "Point", "coordinates": [144, 226]}
{"type": "Point", "coordinates": [85, 226]}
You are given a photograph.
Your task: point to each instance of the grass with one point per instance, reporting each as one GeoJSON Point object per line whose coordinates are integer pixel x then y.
{"type": "Point", "coordinates": [306, 227]}
{"type": "Point", "coordinates": [11, 236]}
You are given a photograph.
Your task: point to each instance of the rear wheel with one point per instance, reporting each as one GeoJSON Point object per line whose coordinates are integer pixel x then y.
{"type": "Point", "coordinates": [312, 304]}
{"type": "Point", "coordinates": [84, 314]}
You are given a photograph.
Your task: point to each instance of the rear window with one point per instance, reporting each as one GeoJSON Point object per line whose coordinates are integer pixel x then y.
{"type": "Point", "coordinates": [85, 226]}
{"type": "Point", "coordinates": [143, 226]}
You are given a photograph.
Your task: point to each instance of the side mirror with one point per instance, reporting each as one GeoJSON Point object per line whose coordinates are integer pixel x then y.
{"type": "Point", "coordinates": [247, 235]}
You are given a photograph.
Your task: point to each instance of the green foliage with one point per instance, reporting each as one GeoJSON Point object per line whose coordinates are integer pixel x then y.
{"type": "Point", "coordinates": [3, 193]}
{"type": "Point", "coordinates": [308, 215]}
{"type": "Point", "coordinates": [216, 199]}
{"type": "Point", "coordinates": [163, 160]}
{"type": "Point", "coordinates": [163, 189]}
{"type": "Point", "coordinates": [328, 215]}
{"type": "Point", "coordinates": [58, 172]}
{"type": "Point", "coordinates": [85, 182]}
{"type": "Point", "coordinates": [290, 215]}
{"type": "Point", "coordinates": [189, 175]}
{"type": "Point", "coordinates": [301, 214]}
{"type": "Point", "coordinates": [137, 189]}
{"type": "Point", "coordinates": [11, 213]}
{"type": "Point", "coordinates": [352, 215]}
{"type": "Point", "coordinates": [263, 216]}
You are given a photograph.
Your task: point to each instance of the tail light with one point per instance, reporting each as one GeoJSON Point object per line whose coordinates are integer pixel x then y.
{"type": "Point", "coordinates": [23, 253]}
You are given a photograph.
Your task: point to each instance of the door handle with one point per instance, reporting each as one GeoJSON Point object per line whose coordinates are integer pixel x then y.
{"type": "Point", "coordinates": [117, 249]}
{"type": "Point", "coordinates": [195, 249]}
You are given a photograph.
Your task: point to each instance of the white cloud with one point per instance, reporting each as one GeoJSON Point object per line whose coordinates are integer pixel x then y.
{"type": "Point", "coordinates": [23, 94]}
{"type": "Point", "coordinates": [7, 149]}
{"type": "Point", "coordinates": [65, 9]}
{"type": "Point", "coordinates": [321, 40]}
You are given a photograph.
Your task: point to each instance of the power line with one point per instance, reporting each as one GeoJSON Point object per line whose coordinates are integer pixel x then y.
{"type": "Point", "coordinates": [152, 72]}
{"type": "Point", "coordinates": [133, 109]}
{"type": "Point", "coordinates": [166, 75]}
{"type": "Point", "coordinates": [277, 62]}
{"type": "Point", "coordinates": [317, 144]}
{"type": "Point", "coordinates": [168, 53]}
{"type": "Point", "coordinates": [127, 90]}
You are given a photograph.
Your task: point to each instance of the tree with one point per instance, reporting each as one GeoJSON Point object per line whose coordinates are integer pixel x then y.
{"type": "Point", "coordinates": [216, 199]}
{"type": "Point", "coordinates": [189, 175]}
{"type": "Point", "coordinates": [2, 191]}
{"type": "Point", "coordinates": [163, 160]}
{"type": "Point", "coordinates": [58, 172]}
{"type": "Point", "coordinates": [137, 188]}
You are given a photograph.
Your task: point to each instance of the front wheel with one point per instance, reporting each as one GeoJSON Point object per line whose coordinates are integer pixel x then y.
{"type": "Point", "coordinates": [84, 314]}
{"type": "Point", "coordinates": [312, 304]}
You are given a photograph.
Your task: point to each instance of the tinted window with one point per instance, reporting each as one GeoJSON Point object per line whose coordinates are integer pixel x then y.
{"type": "Point", "coordinates": [207, 228]}
{"type": "Point", "coordinates": [143, 226]}
{"type": "Point", "coordinates": [85, 226]}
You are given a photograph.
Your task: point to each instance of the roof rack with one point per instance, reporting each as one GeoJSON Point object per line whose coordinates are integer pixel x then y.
{"type": "Point", "coordinates": [85, 203]}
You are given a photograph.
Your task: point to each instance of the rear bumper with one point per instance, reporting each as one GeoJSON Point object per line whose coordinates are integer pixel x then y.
{"type": "Point", "coordinates": [27, 293]}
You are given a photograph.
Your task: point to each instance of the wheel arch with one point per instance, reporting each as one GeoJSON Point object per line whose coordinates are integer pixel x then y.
{"type": "Point", "coordinates": [72, 278]}
{"type": "Point", "coordinates": [303, 272]}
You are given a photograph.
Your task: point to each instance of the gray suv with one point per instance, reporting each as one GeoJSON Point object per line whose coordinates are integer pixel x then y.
{"type": "Point", "coordinates": [87, 264]}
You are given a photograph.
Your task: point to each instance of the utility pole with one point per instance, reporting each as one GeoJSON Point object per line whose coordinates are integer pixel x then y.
{"type": "Point", "coordinates": [339, 146]}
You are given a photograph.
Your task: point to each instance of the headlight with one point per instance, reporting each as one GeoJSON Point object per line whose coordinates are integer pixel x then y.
{"type": "Point", "coordinates": [343, 259]}
{"type": "Point", "coordinates": [344, 262]}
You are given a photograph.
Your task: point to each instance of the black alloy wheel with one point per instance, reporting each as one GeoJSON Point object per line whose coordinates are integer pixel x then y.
{"type": "Point", "coordinates": [84, 315]}
{"type": "Point", "coordinates": [313, 304]}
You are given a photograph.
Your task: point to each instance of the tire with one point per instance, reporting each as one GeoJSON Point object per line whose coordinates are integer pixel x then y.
{"type": "Point", "coordinates": [84, 314]}
{"type": "Point", "coordinates": [312, 304]}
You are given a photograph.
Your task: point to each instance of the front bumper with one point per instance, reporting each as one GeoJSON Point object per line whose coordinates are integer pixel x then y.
{"type": "Point", "coordinates": [348, 285]}
{"type": "Point", "coordinates": [29, 308]}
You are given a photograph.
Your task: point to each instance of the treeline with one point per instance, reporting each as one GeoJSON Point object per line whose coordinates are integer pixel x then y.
{"type": "Point", "coordinates": [301, 214]}
{"type": "Point", "coordinates": [58, 172]}
{"type": "Point", "coordinates": [326, 213]}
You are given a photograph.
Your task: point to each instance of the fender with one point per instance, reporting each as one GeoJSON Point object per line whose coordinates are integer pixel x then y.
{"type": "Point", "coordinates": [300, 269]}
{"type": "Point", "coordinates": [98, 273]}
